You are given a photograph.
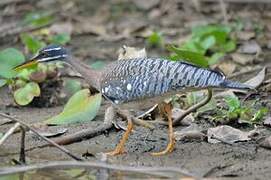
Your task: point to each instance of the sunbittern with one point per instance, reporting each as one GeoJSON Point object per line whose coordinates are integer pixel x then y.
{"type": "Point", "coordinates": [127, 82]}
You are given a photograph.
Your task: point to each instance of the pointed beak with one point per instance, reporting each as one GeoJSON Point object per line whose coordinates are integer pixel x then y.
{"type": "Point", "coordinates": [30, 63]}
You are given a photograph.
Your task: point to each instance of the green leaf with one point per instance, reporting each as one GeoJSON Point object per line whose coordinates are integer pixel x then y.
{"type": "Point", "coordinates": [229, 46]}
{"type": "Point", "coordinates": [6, 72]}
{"type": "Point", "coordinates": [98, 65]}
{"type": "Point", "coordinates": [81, 107]}
{"type": "Point", "coordinates": [72, 86]}
{"type": "Point", "coordinates": [38, 19]}
{"type": "Point", "coordinates": [25, 95]}
{"type": "Point", "coordinates": [10, 58]}
{"type": "Point", "coordinates": [61, 39]}
{"type": "Point", "coordinates": [233, 103]}
{"type": "Point", "coordinates": [208, 42]}
{"type": "Point", "coordinates": [155, 39]}
{"type": "Point", "coordinates": [258, 116]}
{"type": "Point", "coordinates": [215, 58]}
{"type": "Point", "coordinates": [189, 56]}
{"type": "Point", "coordinates": [3, 82]}
{"type": "Point", "coordinates": [32, 43]}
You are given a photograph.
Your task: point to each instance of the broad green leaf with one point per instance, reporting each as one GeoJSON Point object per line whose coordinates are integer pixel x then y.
{"type": "Point", "coordinates": [212, 39]}
{"type": "Point", "coordinates": [32, 43]}
{"type": "Point", "coordinates": [72, 86]}
{"type": "Point", "coordinates": [208, 42]}
{"type": "Point", "coordinates": [193, 57]}
{"type": "Point", "coordinates": [229, 46]}
{"type": "Point", "coordinates": [61, 39]}
{"type": "Point", "coordinates": [215, 58]}
{"type": "Point", "coordinates": [38, 19]}
{"type": "Point", "coordinates": [25, 95]}
{"type": "Point", "coordinates": [6, 72]}
{"type": "Point", "coordinates": [81, 107]}
{"type": "Point", "coordinates": [3, 82]}
{"type": "Point", "coordinates": [206, 29]}
{"type": "Point", "coordinates": [11, 57]}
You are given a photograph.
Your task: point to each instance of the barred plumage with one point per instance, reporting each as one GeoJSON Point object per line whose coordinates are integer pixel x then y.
{"type": "Point", "coordinates": [128, 80]}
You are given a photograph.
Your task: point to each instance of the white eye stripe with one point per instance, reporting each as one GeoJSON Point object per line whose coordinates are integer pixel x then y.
{"type": "Point", "coordinates": [52, 49]}
{"type": "Point", "coordinates": [52, 58]}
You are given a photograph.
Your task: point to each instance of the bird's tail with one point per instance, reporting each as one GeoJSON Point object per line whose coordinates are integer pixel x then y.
{"type": "Point", "coordinates": [235, 85]}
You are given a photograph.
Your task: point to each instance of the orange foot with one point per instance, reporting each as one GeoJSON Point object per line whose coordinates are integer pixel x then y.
{"type": "Point", "coordinates": [171, 144]}
{"type": "Point", "coordinates": [120, 147]}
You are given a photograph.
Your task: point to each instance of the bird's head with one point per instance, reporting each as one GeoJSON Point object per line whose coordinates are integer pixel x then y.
{"type": "Point", "coordinates": [46, 54]}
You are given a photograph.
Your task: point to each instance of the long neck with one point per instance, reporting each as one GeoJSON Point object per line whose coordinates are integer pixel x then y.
{"type": "Point", "coordinates": [91, 75]}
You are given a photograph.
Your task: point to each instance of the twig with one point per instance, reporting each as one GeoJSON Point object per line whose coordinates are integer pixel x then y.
{"type": "Point", "coordinates": [224, 11]}
{"type": "Point", "coordinates": [22, 149]}
{"type": "Point", "coordinates": [42, 137]}
{"type": "Point", "coordinates": [159, 171]}
{"type": "Point", "coordinates": [125, 114]}
{"type": "Point", "coordinates": [194, 107]}
{"type": "Point", "coordinates": [89, 133]}
{"type": "Point", "coordinates": [9, 133]}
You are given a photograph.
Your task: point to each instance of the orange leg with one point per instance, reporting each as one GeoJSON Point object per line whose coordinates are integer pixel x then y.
{"type": "Point", "coordinates": [120, 147]}
{"type": "Point", "coordinates": [171, 144]}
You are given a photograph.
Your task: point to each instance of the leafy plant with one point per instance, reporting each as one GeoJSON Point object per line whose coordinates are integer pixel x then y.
{"type": "Point", "coordinates": [38, 19]}
{"type": "Point", "coordinates": [155, 39]}
{"type": "Point", "coordinates": [206, 45]}
{"type": "Point", "coordinates": [25, 94]}
{"type": "Point", "coordinates": [235, 110]}
{"type": "Point", "coordinates": [25, 82]}
{"type": "Point", "coordinates": [32, 43]}
{"type": "Point", "coordinates": [9, 58]}
{"type": "Point", "coordinates": [80, 107]}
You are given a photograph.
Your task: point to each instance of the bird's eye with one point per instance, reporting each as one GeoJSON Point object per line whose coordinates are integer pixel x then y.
{"type": "Point", "coordinates": [43, 54]}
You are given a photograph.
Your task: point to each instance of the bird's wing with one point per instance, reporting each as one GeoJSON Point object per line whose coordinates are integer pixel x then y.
{"type": "Point", "coordinates": [128, 80]}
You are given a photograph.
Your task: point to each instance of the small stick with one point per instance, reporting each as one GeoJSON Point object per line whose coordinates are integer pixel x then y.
{"type": "Point", "coordinates": [125, 114]}
{"type": "Point", "coordinates": [9, 133]}
{"type": "Point", "coordinates": [158, 171]}
{"type": "Point", "coordinates": [22, 149]}
{"type": "Point", "coordinates": [194, 107]}
{"type": "Point", "coordinates": [224, 11]}
{"type": "Point", "coordinates": [89, 133]}
{"type": "Point", "coordinates": [42, 137]}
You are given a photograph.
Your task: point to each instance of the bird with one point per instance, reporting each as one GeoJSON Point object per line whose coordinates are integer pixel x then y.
{"type": "Point", "coordinates": [127, 82]}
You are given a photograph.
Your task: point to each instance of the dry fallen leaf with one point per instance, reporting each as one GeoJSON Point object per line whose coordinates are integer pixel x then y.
{"type": "Point", "coordinates": [228, 134]}
{"type": "Point", "coordinates": [257, 80]}
{"type": "Point", "coordinates": [266, 143]}
{"type": "Point", "coordinates": [245, 35]}
{"type": "Point", "coordinates": [228, 68]}
{"type": "Point", "coordinates": [250, 47]}
{"type": "Point", "coordinates": [267, 122]}
{"type": "Point", "coordinates": [126, 52]}
{"type": "Point", "coordinates": [242, 59]}
{"type": "Point", "coordinates": [191, 132]}
{"type": "Point", "coordinates": [59, 28]}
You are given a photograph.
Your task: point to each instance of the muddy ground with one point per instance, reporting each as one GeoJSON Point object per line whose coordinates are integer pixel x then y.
{"type": "Point", "coordinates": [243, 160]}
